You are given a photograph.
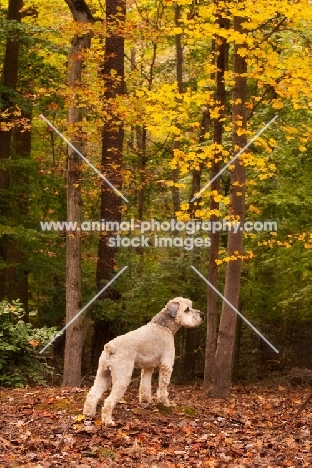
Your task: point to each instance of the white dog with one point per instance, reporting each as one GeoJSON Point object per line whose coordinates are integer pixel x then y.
{"type": "Point", "coordinates": [146, 348]}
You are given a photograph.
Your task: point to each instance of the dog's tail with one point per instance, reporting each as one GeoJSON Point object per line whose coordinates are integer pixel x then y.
{"type": "Point", "coordinates": [105, 357]}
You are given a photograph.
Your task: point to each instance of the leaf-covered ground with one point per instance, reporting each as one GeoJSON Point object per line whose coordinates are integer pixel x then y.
{"type": "Point", "coordinates": [255, 427]}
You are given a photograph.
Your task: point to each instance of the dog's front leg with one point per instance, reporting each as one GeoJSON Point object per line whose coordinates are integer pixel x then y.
{"type": "Point", "coordinates": [145, 390]}
{"type": "Point", "coordinates": [165, 371]}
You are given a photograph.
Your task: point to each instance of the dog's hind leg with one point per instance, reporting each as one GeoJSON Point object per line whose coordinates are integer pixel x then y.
{"type": "Point", "coordinates": [121, 376]}
{"type": "Point", "coordinates": [145, 390]}
{"type": "Point", "coordinates": [102, 382]}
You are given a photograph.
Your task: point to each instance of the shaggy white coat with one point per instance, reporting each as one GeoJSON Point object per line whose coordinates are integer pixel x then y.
{"type": "Point", "coordinates": [147, 347]}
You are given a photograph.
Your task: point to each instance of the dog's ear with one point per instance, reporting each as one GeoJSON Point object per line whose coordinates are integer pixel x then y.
{"type": "Point", "coordinates": [173, 308]}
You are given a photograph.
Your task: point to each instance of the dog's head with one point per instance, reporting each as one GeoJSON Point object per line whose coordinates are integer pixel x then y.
{"type": "Point", "coordinates": [182, 312]}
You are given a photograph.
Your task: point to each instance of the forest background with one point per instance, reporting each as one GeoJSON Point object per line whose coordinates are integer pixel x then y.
{"type": "Point", "coordinates": [159, 96]}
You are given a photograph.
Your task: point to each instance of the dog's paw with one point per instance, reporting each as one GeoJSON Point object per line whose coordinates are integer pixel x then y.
{"type": "Point", "coordinates": [145, 399]}
{"type": "Point", "coordinates": [108, 422]}
{"type": "Point", "coordinates": [164, 401]}
{"type": "Point", "coordinates": [107, 419]}
{"type": "Point", "coordinates": [89, 412]}
{"type": "Point", "coordinates": [144, 405]}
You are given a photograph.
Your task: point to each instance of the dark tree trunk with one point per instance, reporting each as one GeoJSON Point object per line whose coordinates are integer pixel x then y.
{"type": "Point", "coordinates": [112, 146]}
{"type": "Point", "coordinates": [191, 345]}
{"type": "Point", "coordinates": [138, 141]}
{"type": "Point", "coordinates": [179, 77]}
{"type": "Point", "coordinates": [196, 176]}
{"type": "Point", "coordinates": [222, 369]}
{"type": "Point", "coordinates": [106, 334]}
{"type": "Point", "coordinates": [9, 81]}
{"type": "Point", "coordinates": [14, 144]}
{"type": "Point", "coordinates": [17, 273]}
{"type": "Point", "coordinates": [141, 136]}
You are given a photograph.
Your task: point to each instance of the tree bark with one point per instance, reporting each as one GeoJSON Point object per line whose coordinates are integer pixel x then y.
{"type": "Point", "coordinates": [80, 11]}
{"type": "Point", "coordinates": [222, 369]}
{"type": "Point", "coordinates": [9, 81]}
{"type": "Point", "coordinates": [212, 313]}
{"type": "Point", "coordinates": [179, 77]}
{"type": "Point", "coordinates": [196, 176]}
{"type": "Point", "coordinates": [75, 333]}
{"type": "Point", "coordinates": [141, 134]}
{"type": "Point", "coordinates": [17, 272]}
{"type": "Point", "coordinates": [191, 345]}
{"type": "Point", "coordinates": [112, 146]}
{"type": "Point", "coordinates": [139, 143]}
{"type": "Point", "coordinates": [14, 143]}
{"type": "Point", "coordinates": [141, 137]}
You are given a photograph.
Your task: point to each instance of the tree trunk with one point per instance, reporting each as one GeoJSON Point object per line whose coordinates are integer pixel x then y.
{"type": "Point", "coordinates": [238, 334]}
{"type": "Point", "coordinates": [196, 176]}
{"type": "Point", "coordinates": [103, 335]}
{"type": "Point", "coordinates": [222, 369]}
{"type": "Point", "coordinates": [9, 81]}
{"type": "Point", "coordinates": [191, 345]}
{"type": "Point", "coordinates": [192, 336]}
{"type": "Point", "coordinates": [17, 273]}
{"type": "Point", "coordinates": [138, 143]}
{"type": "Point", "coordinates": [212, 312]}
{"type": "Point", "coordinates": [141, 137]}
{"type": "Point", "coordinates": [141, 133]}
{"type": "Point", "coordinates": [112, 146]}
{"type": "Point", "coordinates": [75, 333]}
{"type": "Point", "coordinates": [179, 77]}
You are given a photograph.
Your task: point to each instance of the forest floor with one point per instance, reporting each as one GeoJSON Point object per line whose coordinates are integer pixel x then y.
{"type": "Point", "coordinates": [256, 427]}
